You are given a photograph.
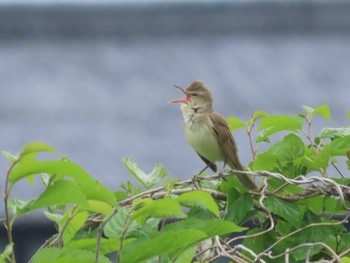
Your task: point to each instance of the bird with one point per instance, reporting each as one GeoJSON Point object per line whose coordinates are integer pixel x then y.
{"type": "Point", "coordinates": [208, 133]}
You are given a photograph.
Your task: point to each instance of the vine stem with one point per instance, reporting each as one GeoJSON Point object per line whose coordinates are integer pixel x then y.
{"type": "Point", "coordinates": [316, 148]}
{"type": "Point", "coordinates": [125, 229]}
{"type": "Point", "coordinates": [100, 232]}
{"type": "Point", "coordinates": [60, 234]}
{"type": "Point", "coordinates": [8, 223]}
{"type": "Point", "coordinates": [252, 149]}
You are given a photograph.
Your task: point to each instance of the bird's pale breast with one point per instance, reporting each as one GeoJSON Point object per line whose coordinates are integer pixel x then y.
{"type": "Point", "coordinates": [202, 139]}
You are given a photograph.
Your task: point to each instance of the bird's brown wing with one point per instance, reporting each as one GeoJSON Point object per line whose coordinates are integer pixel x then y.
{"type": "Point", "coordinates": [209, 163]}
{"type": "Point", "coordinates": [225, 138]}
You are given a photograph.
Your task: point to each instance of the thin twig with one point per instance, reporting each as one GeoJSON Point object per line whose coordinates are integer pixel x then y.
{"type": "Point", "coordinates": [215, 194]}
{"type": "Point", "coordinates": [338, 169]}
{"type": "Point", "coordinates": [8, 223]}
{"type": "Point", "coordinates": [60, 234]}
{"type": "Point", "coordinates": [266, 251]}
{"type": "Point", "coordinates": [125, 229]}
{"type": "Point", "coordinates": [310, 245]}
{"type": "Point", "coordinates": [344, 253]}
{"type": "Point", "coordinates": [100, 232]}
{"type": "Point", "coordinates": [252, 149]}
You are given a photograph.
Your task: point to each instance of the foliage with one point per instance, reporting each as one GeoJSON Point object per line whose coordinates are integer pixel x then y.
{"type": "Point", "coordinates": [298, 213]}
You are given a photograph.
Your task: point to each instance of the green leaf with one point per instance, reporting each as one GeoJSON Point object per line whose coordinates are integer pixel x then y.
{"type": "Point", "coordinates": [210, 184]}
{"type": "Point", "coordinates": [283, 157]}
{"type": "Point", "coordinates": [349, 115]}
{"type": "Point", "coordinates": [239, 207]}
{"type": "Point", "coordinates": [106, 245]}
{"type": "Point", "coordinates": [344, 241]}
{"type": "Point", "coordinates": [259, 114]}
{"type": "Point", "coordinates": [61, 255]}
{"type": "Point", "coordinates": [325, 233]}
{"type": "Point", "coordinates": [274, 124]}
{"type": "Point", "coordinates": [339, 146]}
{"type": "Point", "coordinates": [92, 189]}
{"type": "Point", "coordinates": [311, 161]}
{"type": "Point", "coordinates": [322, 110]}
{"type": "Point", "coordinates": [344, 181]}
{"type": "Point", "coordinates": [322, 204]}
{"type": "Point", "coordinates": [30, 179]}
{"type": "Point", "coordinates": [57, 218]}
{"type": "Point", "coordinates": [17, 206]}
{"type": "Point", "coordinates": [199, 199]}
{"type": "Point", "coordinates": [162, 208]}
{"type": "Point", "coordinates": [290, 189]}
{"type": "Point", "coordinates": [97, 207]}
{"type": "Point", "coordinates": [150, 228]}
{"type": "Point", "coordinates": [175, 238]}
{"type": "Point", "coordinates": [234, 123]}
{"type": "Point", "coordinates": [260, 242]}
{"type": "Point", "coordinates": [147, 180]}
{"type": "Point", "coordinates": [198, 212]}
{"type": "Point", "coordinates": [186, 256]}
{"type": "Point", "coordinates": [293, 147]}
{"type": "Point", "coordinates": [116, 225]}
{"type": "Point", "coordinates": [283, 227]}
{"type": "Point", "coordinates": [210, 227]}
{"type": "Point", "coordinates": [7, 252]}
{"type": "Point", "coordinates": [74, 224]}
{"type": "Point", "coordinates": [289, 211]}
{"type": "Point", "coordinates": [169, 184]}
{"type": "Point", "coordinates": [9, 156]}
{"type": "Point", "coordinates": [120, 195]}
{"type": "Point", "coordinates": [334, 133]}
{"type": "Point", "coordinates": [309, 110]}
{"type": "Point", "coordinates": [164, 242]}
{"type": "Point", "coordinates": [35, 147]}
{"type": "Point", "coordinates": [53, 196]}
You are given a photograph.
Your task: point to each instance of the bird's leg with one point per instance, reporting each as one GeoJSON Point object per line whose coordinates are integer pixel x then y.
{"type": "Point", "coordinates": [220, 174]}
{"type": "Point", "coordinates": [205, 168]}
{"type": "Point", "coordinates": [195, 178]}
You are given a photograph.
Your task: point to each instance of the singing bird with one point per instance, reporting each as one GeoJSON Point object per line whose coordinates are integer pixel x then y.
{"type": "Point", "coordinates": [208, 132]}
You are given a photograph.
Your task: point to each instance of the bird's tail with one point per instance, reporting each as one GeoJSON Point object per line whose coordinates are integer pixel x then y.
{"type": "Point", "coordinates": [245, 179]}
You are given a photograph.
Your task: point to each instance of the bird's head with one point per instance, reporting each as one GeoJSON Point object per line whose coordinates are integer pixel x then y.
{"type": "Point", "coordinates": [198, 97]}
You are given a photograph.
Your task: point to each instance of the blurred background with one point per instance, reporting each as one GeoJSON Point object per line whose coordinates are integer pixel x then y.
{"type": "Point", "coordinates": [92, 79]}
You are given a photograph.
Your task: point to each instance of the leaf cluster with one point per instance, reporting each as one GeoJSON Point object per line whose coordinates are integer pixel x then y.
{"type": "Point", "coordinates": [298, 213]}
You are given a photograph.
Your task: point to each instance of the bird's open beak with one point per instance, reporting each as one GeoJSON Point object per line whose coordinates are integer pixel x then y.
{"type": "Point", "coordinates": [185, 100]}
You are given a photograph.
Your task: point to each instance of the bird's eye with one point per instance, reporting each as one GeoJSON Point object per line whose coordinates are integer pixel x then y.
{"type": "Point", "coordinates": [194, 94]}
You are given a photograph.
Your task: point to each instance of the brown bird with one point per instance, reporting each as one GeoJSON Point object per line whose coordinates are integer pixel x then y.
{"type": "Point", "coordinates": [208, 132]}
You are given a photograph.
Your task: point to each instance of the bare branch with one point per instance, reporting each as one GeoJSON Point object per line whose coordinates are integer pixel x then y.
{"type": "Point", "coordinates": [314, 186]}
{"type": "Point", "coordinates": [310, 245]}
{"type": "Point", "coordinates": [266, 252]}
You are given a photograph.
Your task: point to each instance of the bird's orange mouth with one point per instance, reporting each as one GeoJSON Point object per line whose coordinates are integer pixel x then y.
{"type": "Point", "coordinates": [185, 100]}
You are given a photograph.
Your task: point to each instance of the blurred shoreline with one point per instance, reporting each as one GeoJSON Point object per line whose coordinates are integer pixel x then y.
{"type": "Point", "coordinates": [76, 20]}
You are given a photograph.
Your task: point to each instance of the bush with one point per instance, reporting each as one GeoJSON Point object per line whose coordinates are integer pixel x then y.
{"type": "Point", "coordinates": [298, 213]}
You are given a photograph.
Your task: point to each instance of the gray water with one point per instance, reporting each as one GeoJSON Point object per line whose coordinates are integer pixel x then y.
{"type": "Point", "coordinates": [100, 100]}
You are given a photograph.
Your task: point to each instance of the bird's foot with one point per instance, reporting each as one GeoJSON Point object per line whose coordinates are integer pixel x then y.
{"type": "Point", "coordinates": [221, 175]}
{"type": "Point", "coordinates": [196, 182]}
